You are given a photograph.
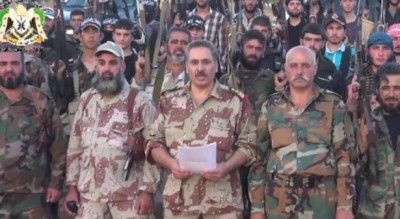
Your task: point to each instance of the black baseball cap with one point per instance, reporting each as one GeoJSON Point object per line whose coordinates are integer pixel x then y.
{"type": "Point", "coordinates": [194, 21]}
{"type": "Point", "coordinates": [338, 18]}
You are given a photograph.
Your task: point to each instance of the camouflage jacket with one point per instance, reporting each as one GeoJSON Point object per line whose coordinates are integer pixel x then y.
{"type": "Point", "coordinates": [225, 118]}
{"type": "Point", "coordinates": [167, 83]}
{"type": "Point", "coordinates": [304, 142]}
{"type": "Point", "coordinates": [28, 138]}
{"type": "Point", "coordinates": [256, 85]}
{"type": "Point", "coordinates": [98, 147]}
{"type": "Point", "coordinates": [384, 190]}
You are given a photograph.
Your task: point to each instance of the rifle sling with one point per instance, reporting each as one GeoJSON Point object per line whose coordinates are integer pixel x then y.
{"type": "Point", "coordinates": [158, 83]}
{"type": "Point", "coordinates": [164, 8]}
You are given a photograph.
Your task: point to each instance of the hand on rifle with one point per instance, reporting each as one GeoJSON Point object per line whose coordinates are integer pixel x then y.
{"type": "Point", "coordinates": [365, 13]}
{"type": "Point", "coordinates": [363, 144]}
{"type": "Point", "coordinates": [162, 55]}
{"type": "Point", "coordinates": [352, 92]}
{"type": "Point", "coordinates": [60, 70]}
{"type": "Point", "coordinates": [280, 80]}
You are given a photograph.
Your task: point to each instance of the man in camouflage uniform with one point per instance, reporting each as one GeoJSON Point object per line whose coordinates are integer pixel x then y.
{"type": "Point", "coordinates": [380, 156]}
{"type": "Point", "coordinates": [247, 76]}
{"type": "Point", "coordinates": [202, 112]}
{"type": "Point", "coordinates": [172, 71]}
{"type": "Point", "coordinates": [33, 144]}
{"type": "Point", "coordinates": [98, 147]}
{"type": "Point", "coordinates": [255, 82]}
{"type": "Point", "coordinates": [305, 167]}
{"type": "Point", "coordinates": [77, 82]}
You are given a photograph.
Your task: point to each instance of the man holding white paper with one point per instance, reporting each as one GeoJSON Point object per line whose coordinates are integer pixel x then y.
{"type": "Point", "coordinates": [203, 112]}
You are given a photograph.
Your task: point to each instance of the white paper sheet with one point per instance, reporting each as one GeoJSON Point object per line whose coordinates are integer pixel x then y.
{"type": "Point", "coordinates": [197, 159]}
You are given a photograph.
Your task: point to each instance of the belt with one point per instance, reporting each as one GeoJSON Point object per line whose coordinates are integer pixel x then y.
{"type": "Point", "coordinates": [298, 181]}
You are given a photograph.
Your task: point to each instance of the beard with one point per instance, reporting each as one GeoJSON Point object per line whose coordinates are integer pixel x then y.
{"type": "Point", "coordinates": [294, 14]}
{"type": "Point", "coordinates": [250, 65]}
{"type": "Point", "coordinates": [250, 11]}
{"type": "Point", "coordinates": [108, 84]}
{"type": "Point", "coordinates": [389, 109]}
{"type": "Point", "coordinates": [11, 80]}
{"type": "Point", "coordinates": [176, 59]}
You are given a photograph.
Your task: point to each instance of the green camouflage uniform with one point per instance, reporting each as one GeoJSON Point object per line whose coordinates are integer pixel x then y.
{"type": "Point", "coordinates": [380, 195]}
{"type": "Point", "coordinates": [302, 143]}
{"type": "Point", "coordinates": [257, 86]}
{"type": "Point", "coordinates": [29, 139]}
{"type": "Point", "coordinates": [82, 81]}
{"type": "Point", "coordinates": [225, 118]}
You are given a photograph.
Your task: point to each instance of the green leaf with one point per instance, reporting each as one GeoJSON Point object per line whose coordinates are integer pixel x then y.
{"type": "Point", "coordinates": [41, 15]}
{"type": "Point", "coordinates": [2, 13]}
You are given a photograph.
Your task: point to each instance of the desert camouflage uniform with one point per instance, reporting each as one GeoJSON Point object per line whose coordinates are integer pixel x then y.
{"type": "Point", "coordinates": [257, 85]}
{"type": "Point", "coordinates": [380, 195]}
{"type": "Point", "coordinates": [98, 150]}
{"type": "Point", "coordinates": [28, 140]}
{"type": "Point", "coordinates": [225, 118]}
{"type": "Point", "coordinates": [167, 83]}
{"type": "Point", "coordinates": [302, 143]}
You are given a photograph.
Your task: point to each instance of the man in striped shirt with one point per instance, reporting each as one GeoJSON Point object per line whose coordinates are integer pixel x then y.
{"type": "Point", "coordinates": [216, 29]}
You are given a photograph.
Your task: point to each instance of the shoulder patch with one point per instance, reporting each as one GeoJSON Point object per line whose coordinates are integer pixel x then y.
{"type": "Point", "coordinates": [237, 93]}
{"type": "Point", "coordinates": [330, 93]}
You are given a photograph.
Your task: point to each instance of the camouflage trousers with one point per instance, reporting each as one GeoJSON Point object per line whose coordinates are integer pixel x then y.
{"type": "Point", "coordinates": [233, 215]}
{"type": "Point", "coordinates": [308, 203]}
{"type": "Point", "coordinates": [103, 210]}
{"type": "Point", "coordinates": [22, 206]}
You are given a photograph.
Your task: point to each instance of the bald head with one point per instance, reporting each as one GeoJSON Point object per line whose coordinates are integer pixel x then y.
{"type": "Point", "coordinates": [300, 67]}
{"type": "Point", "coordinates": [303, 50]}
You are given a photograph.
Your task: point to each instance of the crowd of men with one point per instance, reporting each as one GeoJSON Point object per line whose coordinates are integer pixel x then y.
{"type": "Point", "coordinates": [304, 111]}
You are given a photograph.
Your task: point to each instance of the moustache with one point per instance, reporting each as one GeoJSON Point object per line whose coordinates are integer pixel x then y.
{"type": "Point", "coordinates": [200, 74]}
{"type": "Point", "coordinates": [107, 75]}
{"type": "Point", "coordinates": [10, 74]}
{"type": "Point", "coordinates": [299, 78]}
{"type": "Point", "coordinates": [252, 56]}
{"type": "Point", "coordinates": [391, 98]}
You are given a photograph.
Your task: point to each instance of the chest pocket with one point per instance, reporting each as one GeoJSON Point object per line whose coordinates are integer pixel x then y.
{"type": "Point", "coordinates": [319, 124]}
{"type": "Point", "coordinates": [281, 135]}
{"type": "Point", "coordinates": [118, 136]}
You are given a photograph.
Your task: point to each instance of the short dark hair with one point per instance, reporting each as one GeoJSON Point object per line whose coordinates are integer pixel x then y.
{"type": "Point", "coordinates": [252, 35]}
{"type": "Point", "coordinates": [203, 44]}
{"type": "Point", "coordinates": [77, 12]}
{"type": "Point", "coordinates": [312, 28]}
{"type": "Point", "coordinates": [261, 21]}
{"type": "Point", "coordinates": [125, 24]}
{"type": "Point", "coordinates": [390, 68]}
{"type": "Point", "coordinates": [179, 29]}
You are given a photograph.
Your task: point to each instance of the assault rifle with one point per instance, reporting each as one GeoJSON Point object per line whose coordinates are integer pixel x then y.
{"type": "Point", "coordinates": [59, 41]}
{"type": "Point", "coordinates": [359, 62]}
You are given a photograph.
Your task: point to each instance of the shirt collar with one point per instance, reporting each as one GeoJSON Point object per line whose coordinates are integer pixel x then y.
{"type": "Point", "coordinates": [341, 48]}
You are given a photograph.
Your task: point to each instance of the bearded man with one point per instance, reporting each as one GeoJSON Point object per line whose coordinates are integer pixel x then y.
{"type": "Point", "coordinates": [97, 178]}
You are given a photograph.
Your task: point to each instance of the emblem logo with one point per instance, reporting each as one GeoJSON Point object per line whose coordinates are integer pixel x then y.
{"type": "Point", "coordinates": [22, 27]}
